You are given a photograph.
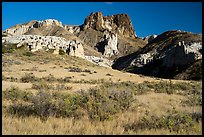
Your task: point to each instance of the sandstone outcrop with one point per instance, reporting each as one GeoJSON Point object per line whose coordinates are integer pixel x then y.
{"type": "Point", "coordinates": [72, 29]}
{"type": "Point", "coordinates": [119, 24]}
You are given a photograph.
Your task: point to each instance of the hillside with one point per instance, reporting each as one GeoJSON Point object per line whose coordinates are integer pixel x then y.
{"type": "Point", "coordinates": [68, 95]}
{"type": "Point", "coordinates": [169, 54]}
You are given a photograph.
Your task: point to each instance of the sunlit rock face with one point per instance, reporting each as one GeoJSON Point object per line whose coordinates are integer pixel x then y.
{"type": "Point", "coordinates": [72, 29]}
{"type": "Point", "coordinates": [23, 28]}
{"type": "Point", "coordinates": [150, 38]}
{"type": "Point", "coordinates": [108, 44]}
{"type": "Point", "coordinates": [119, 24]}
{"type": "Point", "coordinates": [101, 61]}
{"type": "Point", "coordinates": [37, 42]}
{"type": "Point", "coordinates": [180, 54]}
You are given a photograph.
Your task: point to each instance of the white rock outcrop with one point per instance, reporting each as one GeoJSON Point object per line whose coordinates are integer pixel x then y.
{"type": "Point", "coordinates": [99, 61]}
{"type": "Point", "coordinates": [50, 22]}
{"type": "Point", "coordinates": [23, 28]}
{"type": "Point", "coordinates": [37, 42]}
{"type": "Point", "coordinates": [111, 47]}
{"type": "Point", "coordinates": [17, 30]}
{"type": "Point", "coordinates": [150, 38]}
{"type": "Point", "coordinates": [142, 60]}
{"type": "Point", "coordinates": [180, 54]}
{"type": "Point", "coordinates": [110, 42]}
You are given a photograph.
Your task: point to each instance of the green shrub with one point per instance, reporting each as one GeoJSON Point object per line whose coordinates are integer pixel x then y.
{"type": "Point", "coordinates": [21, 110]}
{"type": "Point", "coordinates": [44, 86]}
{"type": "Point", "coordinates": [15, 93]}
{"type": "Point", "coordinates": [61, 52]}
{"type": "Point", "coordinates": [50, 50]}
{"type": "Point", "coordinates": [12, 79]}
{"type": "Point", "coordinates": [9, 48]}
{"type": "Point", "coordinates": [60, 87]}
{"type": "Point", "coordinates": [29, 77]}
{"type": "Point", "coordinates": [193, 100]}
{"type": "Point", "coordinates": [103, 103]}
{"type": "Point", "coordinates": [178, 122]}
{"type": "Point", "coordinates": [66, 79]}
{"type": "Point", "coordinates": [28, 53]}
{"type": "Point", "coordinates": [74, 69]}
{"type": "Point", "coordinates": [49, 78]}
{"type": "Point", "coordinates": [69, 105]}
{"type": "Point", "coordinates": [99, 104]}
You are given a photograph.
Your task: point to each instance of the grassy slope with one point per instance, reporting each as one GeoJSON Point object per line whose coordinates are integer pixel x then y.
{"type": "Point", "coordinates": [42, 64]}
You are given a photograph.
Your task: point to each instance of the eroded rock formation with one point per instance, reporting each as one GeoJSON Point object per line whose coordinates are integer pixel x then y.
{"type": "Point", "coordinates": [37, 42]}
{"type": "Point", "coordinates": [119, 24]}
{"type": "Point", "coordinates": [180, 54]}
{"type": "Point", "coordinates": [23, 28]}
{"type": "Point", "coordinates": [99, 61]}
{"type": "Point", "coordinates": [72, 29]}
{"type": "Point", "coordinates": [108, 44]}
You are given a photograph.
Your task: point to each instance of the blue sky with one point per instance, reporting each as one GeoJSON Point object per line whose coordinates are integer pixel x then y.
{"type": "Point", "coordinates": [147, 17]}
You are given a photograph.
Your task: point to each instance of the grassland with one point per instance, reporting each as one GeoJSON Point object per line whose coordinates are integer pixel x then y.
{"type": "Point", "coordinates": [58, 94]}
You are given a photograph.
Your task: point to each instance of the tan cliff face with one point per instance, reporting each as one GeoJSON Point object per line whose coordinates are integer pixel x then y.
{"type": "Point", "coordinates": [120, 24]}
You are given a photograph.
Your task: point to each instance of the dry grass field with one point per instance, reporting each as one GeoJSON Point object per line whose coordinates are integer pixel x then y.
{"type": "Point", "coordinates": [59, 94]}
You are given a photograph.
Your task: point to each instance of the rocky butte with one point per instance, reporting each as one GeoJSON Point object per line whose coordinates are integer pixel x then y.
{"type": "Point", "coordinates": [119, 24]}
